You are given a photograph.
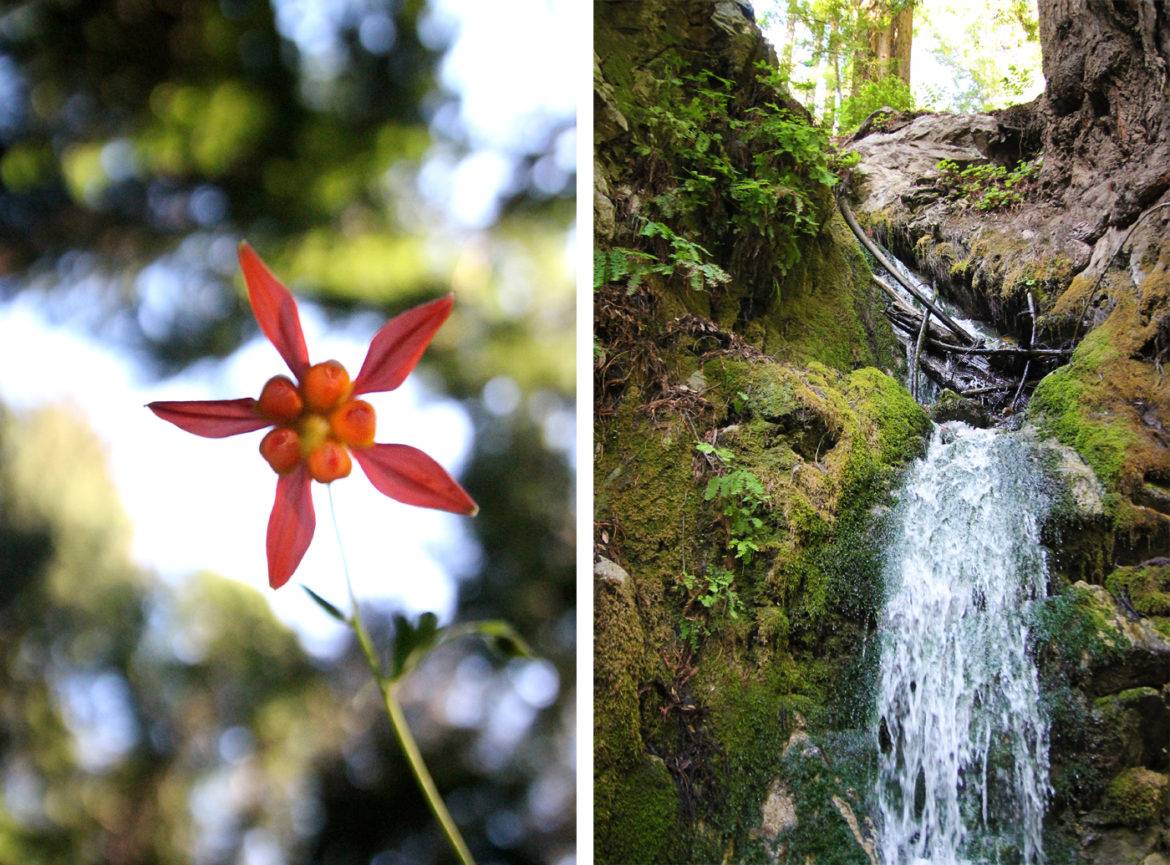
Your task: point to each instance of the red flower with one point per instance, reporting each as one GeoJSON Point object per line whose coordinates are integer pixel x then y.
{"type": "Point", "coordinates": [316, 422]}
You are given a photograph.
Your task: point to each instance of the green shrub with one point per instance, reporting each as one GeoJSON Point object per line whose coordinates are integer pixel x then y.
{"type": "Point", "coordinates": [889, 92]}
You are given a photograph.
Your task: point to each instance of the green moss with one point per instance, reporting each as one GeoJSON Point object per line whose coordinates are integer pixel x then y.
{"type": "Point", "coordinates": [844, 767]}
{"type": "Point", "coordinates": [1073, 630]}
{"type": "Point", "coordinates": [1135, 797]}
{"type": "Point", "coordinates": [1063, 403]}
{"type": "Point", "coordinates": [772, 626]}
{"type": "Point", "coordinates": [839, 564]}
{"type": "Point", "coordinates": [644, 488]}
{"type": "Point", "coordinates": [637, 816]}
{"type": "Point", "coordinates": [1058, 406]}
{"type": "Point", "coordinates": [827, 310]}
{"type": "Point", "coordinates": [1146, 588]}
{"type": "Point", "coordinates": [751, 714]}
{"type": "Point", "coordinates": [1059, 409]}
{"type": "Point", "coordinates": [619, 662]}
{"type": "Point", "coordinates": [902, 425]}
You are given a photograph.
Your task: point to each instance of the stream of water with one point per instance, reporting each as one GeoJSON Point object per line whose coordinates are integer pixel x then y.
{"type": "Point", "coordinates": [963, 765]}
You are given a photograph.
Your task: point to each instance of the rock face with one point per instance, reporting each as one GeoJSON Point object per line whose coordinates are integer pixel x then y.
{"type": "Point", "coordinates": [1105, 668]}
{"type": "Point", "coordinates": [736, 581]}
{"type": "Point", "coordinates": [1090, 242]}
{"type": "Point", "coordinates": [907, 148]}
{"type": "Point", "coordinates": [730, 681]}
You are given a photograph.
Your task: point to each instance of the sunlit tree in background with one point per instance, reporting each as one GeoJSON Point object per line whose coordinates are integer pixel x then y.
{"type": "Point", "coordinates": [148, 721]}
{"type": "Point", "coordinates": [848, 58]}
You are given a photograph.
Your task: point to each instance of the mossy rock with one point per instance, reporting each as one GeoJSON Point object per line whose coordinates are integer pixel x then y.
{"type": "Point", "coordinates": [831, 777]}
{"type": "Point", "coordinates": [950, 406]}
{"type": "Point", "coordinates": [1110, 403]}
{"type": "Point", "coordinates": [1063, 406]}
{"type": "Point", "coordinates": [1135, 797]}
{"type": "Point", "coordinates": [1074, 631]}
{"type": "Point", "coordinates": [1147, 589]}
{"type": "Point", "coordinates": [619, 667]}
{"type": "Point", "coordinates": [637, 816]}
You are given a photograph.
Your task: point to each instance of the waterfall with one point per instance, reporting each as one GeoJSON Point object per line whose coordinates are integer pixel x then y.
{"type": "Point", "coordinates": [963, 765]}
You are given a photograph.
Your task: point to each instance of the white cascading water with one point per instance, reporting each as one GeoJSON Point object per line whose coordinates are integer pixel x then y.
{"type": "Point", "coordinates": [963, 761]}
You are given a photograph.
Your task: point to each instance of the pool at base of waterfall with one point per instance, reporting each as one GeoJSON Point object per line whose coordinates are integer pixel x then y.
{"type": "Point", "coordinates": [963, 743]}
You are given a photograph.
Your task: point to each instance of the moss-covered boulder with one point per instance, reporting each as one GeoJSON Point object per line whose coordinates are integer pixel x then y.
{"type": "Point", "coordinates": [1135, 797]}
{"type": "Point", "coordinates": [636, 804]}
{"type": "Point", "coordinates": [1144, 589]}
{"type": "Point", "coordinates": [826, 447]}
{"type": "Point", "coordinates": [1098, 645]}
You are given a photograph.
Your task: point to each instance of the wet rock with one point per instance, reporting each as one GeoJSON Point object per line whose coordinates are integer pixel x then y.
{"type": "Point", "coordinates": [1139, 655]}
{"type": "Point", "coordinates": [777, 818]}
{"type": "Point", "coordinates": [1135, 798]}
{"type": "Point", "coordinates": [1081, 491]}
{"type": "Point", "coordinates": [610, 573]}
{"type": "Point", "coordinates": [1119, 847]}
{"type": "Point", "coordinates": [866, 839]}
{"type": "Point", "coordinates": [951, 406]}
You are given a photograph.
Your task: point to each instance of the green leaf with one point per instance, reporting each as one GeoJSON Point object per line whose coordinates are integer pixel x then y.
{"type": "Point", "coordinates": [502, 637]}
{"type": "Point", "coordinates": [329, 609]}
{"type": "Point", "coordinates": [404, 643]}
{"type": "Point", "coordinates": [414, 641]}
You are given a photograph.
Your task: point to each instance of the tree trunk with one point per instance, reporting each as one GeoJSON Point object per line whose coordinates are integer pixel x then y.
{"type": "Point", "coordinates": [831, 113]}
{"type": "Point", "coordinates": [1105, 111]}
{"type": "Point", "coordinates": [789, 43]}
{"type": "Point", "coordinates": [887, 32]}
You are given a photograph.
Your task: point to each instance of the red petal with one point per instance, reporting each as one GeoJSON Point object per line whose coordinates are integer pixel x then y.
{"type": "Point", "coordinates": [410, 476]}
{"type": "Point", "coordinates": [275, 310]}
{"type": "Point", "coordinates": [396, 348]}
{"type": "Point", "coordinates": [291, 525]}
{"type": "Point", "coordinates": [213, 418]}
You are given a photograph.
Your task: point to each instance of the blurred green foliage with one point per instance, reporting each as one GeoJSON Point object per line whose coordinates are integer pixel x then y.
{"type": "Point", "coordinates": [149, 722]}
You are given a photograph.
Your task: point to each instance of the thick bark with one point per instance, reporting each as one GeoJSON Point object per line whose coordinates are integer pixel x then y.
{"type": "Point", "coordinates": [1106, 112]}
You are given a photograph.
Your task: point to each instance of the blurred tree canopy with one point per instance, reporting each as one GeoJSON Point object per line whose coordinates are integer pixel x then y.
{"type": "Point", "coordinates": [140, 132]}
{"type": "Point", "coordinates": [142, 722]}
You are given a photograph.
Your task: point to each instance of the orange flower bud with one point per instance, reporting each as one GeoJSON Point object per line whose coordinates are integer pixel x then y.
{"type": "Point", "coordinates": [354, 423]}
{"type": "Point", "coordinates": [282, 448]}
{"type": "Point", "coordinates": [329, 462]}
{"type": "Point", "coordinates": [325, 385]}
{"type": "Point", "coordinates": [280, 400]}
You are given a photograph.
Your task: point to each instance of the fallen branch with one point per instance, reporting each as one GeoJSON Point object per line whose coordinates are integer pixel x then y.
{"type": "Point", "coordinates": [918, 354]}
{"type": "Point", "coordinates": [895, 298]}
{"type": "Point", "coordinates": [911, 320]}
{"type": "Point", "coordinates": [1031, 342]}
{"type": "Point", "coordinates": [984, 390]}
{"type": "Point", "coordinates": [1007, 350]}
{"type": "Point", "coordinates": [851, 221]}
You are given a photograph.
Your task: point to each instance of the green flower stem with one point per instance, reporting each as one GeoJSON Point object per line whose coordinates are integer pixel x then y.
{"type": "Point", "coordinates": [397, 717]}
